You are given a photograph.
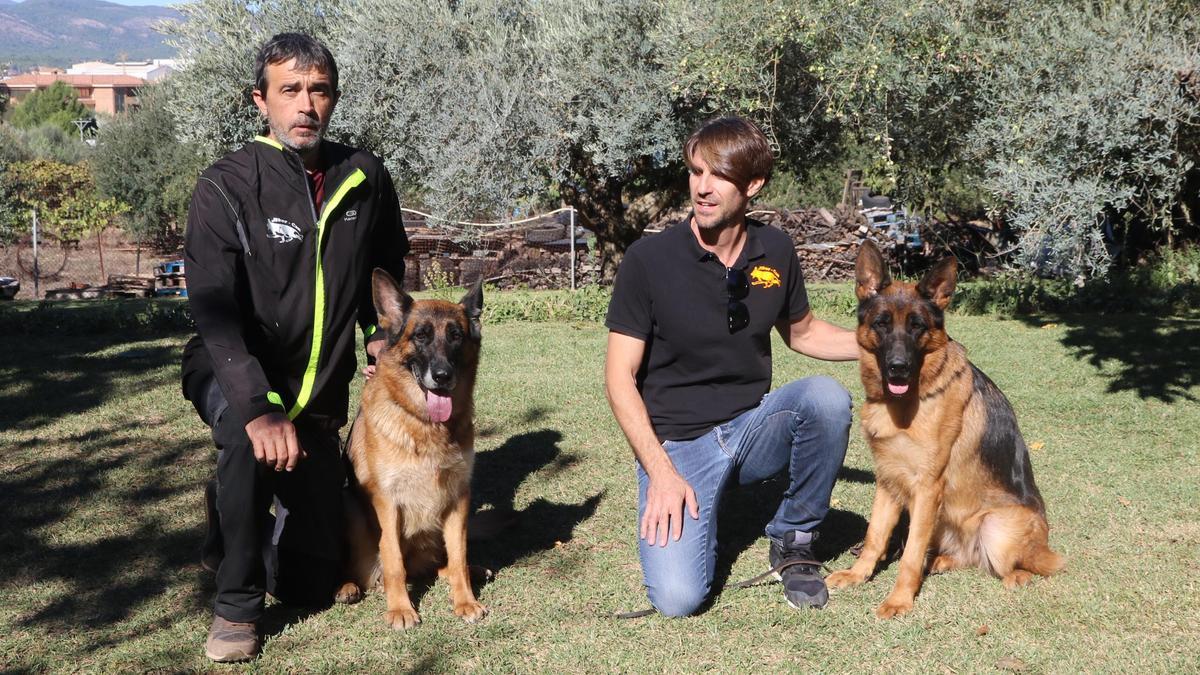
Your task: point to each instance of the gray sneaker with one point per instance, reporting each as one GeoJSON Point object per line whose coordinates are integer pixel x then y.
{"type": "Point", "coordinates": [230, 641]}
{"type": "Point", "coordinates": [800, 572]}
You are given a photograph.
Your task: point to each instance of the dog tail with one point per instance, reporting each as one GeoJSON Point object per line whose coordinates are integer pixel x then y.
{"type": "Point", "coordinates": [1044, 562]}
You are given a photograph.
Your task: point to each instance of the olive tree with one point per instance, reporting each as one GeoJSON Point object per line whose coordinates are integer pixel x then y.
{"type": "Point", "coordinates": [475, 105]}
{"type": "Point", "coordinates": [1089, 130]}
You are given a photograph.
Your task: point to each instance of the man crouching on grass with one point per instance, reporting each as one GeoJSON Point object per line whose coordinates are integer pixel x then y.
{"type": "Point", "coordinates": [282, 236]}
{"type": "Point", "coordinates": [689, 368]}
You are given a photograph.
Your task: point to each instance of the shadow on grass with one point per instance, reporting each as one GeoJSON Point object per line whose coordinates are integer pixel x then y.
{"type": "Point", "coordinates": [853, 475]}
{"type": "Point", "coordinates": [41, 384]}
{"type": "Point", "coordinates": [1156, 357]}
{"type": "Point", "coordinates": [77, 534]}
{"type": "Point", "coordinates": [498, 475]}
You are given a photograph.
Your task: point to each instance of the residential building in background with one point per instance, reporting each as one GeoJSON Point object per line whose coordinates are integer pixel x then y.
{"type": "Point", "coordinates": [108, 88]}
{"type": "Point", "coordinates": [150, 71]}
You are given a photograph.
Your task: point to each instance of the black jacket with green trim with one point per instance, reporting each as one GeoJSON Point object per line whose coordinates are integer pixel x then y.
{"type": "Point", "coordinates": [275, 321]}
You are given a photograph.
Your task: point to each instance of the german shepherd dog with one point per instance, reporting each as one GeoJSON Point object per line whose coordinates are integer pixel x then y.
{"type": "Point", "coordinates": [411, 450]}
{"type": "Point", "coordinates": [945, 442]}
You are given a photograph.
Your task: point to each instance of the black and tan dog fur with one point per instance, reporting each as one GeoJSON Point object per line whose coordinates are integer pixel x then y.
{"type": "Point", "coordinates": [412, 452]}
{"type": "Point", "coordinates": [945, 443]}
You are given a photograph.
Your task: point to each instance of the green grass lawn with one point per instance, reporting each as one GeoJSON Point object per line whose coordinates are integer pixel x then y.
{"type": "Point", "coordinates": [102, 465]}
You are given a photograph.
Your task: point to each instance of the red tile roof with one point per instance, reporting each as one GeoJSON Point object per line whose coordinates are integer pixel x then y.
{"type": "Point", "coordinates": [45, 80]}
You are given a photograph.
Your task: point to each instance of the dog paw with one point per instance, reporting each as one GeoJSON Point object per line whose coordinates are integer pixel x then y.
{"type": "Point", "coordinates": [942, 563]}
{"type": "Point", "coordinates": [1017, 578]}
{"type": "Point", "coordinates": [402, 619]}
{"type": "Point", "coordinates": [844, 579]}
{"type": "Point", "coordinates": [470, 611]}
{"type": "Point", "coordinates": [348, 594]}
{"type": "Point", "coordinates": [893, 607]}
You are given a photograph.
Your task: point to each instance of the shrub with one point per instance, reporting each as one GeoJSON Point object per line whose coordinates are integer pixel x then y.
{"type": "Point", "coordinates": [138, 161]}
{"type": "Point", "coordinates": [48, 141]}
{"type": "Point", "coordinates": [1168, 283]}
{"type": "Point", "coordinates": [56, 105]}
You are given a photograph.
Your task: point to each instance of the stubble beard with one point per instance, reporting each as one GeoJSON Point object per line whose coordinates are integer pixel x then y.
{"type": "Point", "coordinates": [286, 141]}
{"type": "Point", "coordinates": [721, 222]}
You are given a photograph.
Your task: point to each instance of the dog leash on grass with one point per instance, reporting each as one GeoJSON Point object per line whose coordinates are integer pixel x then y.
{"type": "Point", "coordinates": [747, 583]}
{"type": "Point", "coordinates": [774, 572]}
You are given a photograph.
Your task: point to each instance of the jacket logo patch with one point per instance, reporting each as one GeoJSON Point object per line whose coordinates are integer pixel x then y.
{"type": "Point", "coordinates": [765, 277]}
{"type": "Point", "coordinates": [282, 231]}
{"type": "Point", "coordinates": [351, 214]}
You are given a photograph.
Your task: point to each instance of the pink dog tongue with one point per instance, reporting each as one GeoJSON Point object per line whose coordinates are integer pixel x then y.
{"type": "Point", "coordinates": [439, 406]}
{"type": "Point", "coordinates": [897, 389]}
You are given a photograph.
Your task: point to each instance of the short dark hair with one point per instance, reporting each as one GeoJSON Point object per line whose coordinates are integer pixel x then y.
{"type": "Point", "coordinates": [734, 148]}
{"type": "Point", "coordinates": [306, 49]}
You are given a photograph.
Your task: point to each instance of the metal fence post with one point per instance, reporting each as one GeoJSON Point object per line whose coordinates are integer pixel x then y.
{"type": "Point", "coordinates": [37, 273]}
{"type": "Point", "coordinates": [572, 236]}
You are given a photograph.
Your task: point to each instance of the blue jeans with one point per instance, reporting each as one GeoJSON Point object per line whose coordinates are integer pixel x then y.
{"type": "Point", "coordinates": [801, 428]}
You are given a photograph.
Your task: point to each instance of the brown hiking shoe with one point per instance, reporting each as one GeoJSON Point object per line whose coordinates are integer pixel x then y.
{"type": "Point", "coordinates": [229, 641]}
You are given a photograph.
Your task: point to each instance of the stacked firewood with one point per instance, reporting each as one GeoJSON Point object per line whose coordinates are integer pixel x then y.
{"type": "Point", "coordinates": [826, 240]}
{"type": "Point", "coordinates": [129, 286]}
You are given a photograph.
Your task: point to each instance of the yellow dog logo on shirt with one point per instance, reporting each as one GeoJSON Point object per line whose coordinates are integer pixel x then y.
{"type": "Point", "coordinates": [764, 276]}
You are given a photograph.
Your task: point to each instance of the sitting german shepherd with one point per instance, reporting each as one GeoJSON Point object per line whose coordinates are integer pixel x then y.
{"type": "Point", "coordinates": [945, 441]}
{"type": "Point", "coordinates": [412, 448]}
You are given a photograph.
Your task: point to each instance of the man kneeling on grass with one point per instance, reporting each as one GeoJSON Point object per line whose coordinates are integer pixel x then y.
{"type": "Point", "coordinates": [689, 368]}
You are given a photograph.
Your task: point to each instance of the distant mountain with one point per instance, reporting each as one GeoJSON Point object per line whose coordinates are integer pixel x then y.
{"type": "Point", "coordinates": [62, 32]}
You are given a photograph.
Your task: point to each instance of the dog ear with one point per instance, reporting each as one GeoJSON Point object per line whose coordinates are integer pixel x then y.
{"type": "Point", "coordinates": [391, 303]}
{"type": "Point", "coordinates": [938, 283]}
{"type": "Point", "coordinates": [473, 303]}
{"type": "Point", "coordinates": [870, 272]}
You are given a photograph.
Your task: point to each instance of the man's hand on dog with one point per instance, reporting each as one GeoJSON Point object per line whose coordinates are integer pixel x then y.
{"type": "Point", "coordinates": [665, 499]}
{"type": "Point", "coordinates": [373, 350]}
{"type": "Point", "coordinates": [275, 442]}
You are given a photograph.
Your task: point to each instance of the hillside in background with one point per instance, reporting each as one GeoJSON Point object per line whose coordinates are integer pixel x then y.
{"type": "Point", "coordinates": [62, 32]}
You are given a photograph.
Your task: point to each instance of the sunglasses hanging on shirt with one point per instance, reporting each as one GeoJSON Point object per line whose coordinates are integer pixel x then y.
{"type": "Point", "coordinates": [738, 287]}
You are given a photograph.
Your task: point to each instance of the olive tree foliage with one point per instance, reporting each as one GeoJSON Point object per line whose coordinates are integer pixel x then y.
{"type": "Point", "coordinates": [1088, 129]}
{"type": "Point", "coordinates": [1067, 121]}
{"type": "Point", "coordinates": [900, 76]}
{"type": "Point", "coordinates": [607, 100]}
{"type": "Point", "coordinates": [49, 141]}
{"type": "Point", "coordinates": [475, 105]}
{"type": "Point", "coordinates": [489, 103]}
{"type": "Point", "coordinates": [756, 60]}
{"type": "Point", "coordinates": [441, 91]}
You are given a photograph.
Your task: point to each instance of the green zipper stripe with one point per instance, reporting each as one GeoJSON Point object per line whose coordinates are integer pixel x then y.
{"type": "Point", "coordinates": [314, 357]}
{"type": "Point", "coordinates": [369, 330]}
{"type": "Point", "coordinates": [273, 143]}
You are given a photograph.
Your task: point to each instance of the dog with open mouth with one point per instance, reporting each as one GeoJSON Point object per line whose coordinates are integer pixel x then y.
{"type": "Point", "coordinates": [411, 451]}
{"type": "Point", "coordinates": [945, 442]}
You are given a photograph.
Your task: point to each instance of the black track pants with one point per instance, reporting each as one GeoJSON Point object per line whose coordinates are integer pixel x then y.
{"type": "Point", "coordinates": [296, 560]}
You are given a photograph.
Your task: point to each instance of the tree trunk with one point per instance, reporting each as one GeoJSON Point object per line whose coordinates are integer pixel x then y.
{"type": "Point", "coordinates": [600, 202]}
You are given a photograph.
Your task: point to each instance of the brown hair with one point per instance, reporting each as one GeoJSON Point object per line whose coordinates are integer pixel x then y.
{"type": "Point", "coordinates": [734, 148]}
{"type": "Point", "coordinates": [307, 50]}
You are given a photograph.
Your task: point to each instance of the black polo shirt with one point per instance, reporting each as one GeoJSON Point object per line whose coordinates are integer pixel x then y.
{"type": "Point", "coordinates": [671, 293]}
